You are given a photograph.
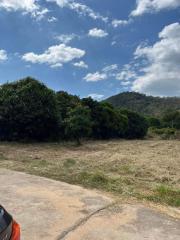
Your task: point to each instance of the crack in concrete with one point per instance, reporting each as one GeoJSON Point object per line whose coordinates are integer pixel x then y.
{"type": "Point", "coordinates": [82, 221]}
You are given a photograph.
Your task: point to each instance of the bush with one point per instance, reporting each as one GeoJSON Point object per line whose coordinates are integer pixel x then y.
{"type": "Point", "coordinates": [107, 121]}
{"type": "Point", "coordinates": [164, 133]}
{"type": "Point", "coordinates": [78, 123]}
{"type": "Point", "coordinates": [153, 122]}
{"type": "Point", "coordinates": [137, 125]}
{"type": "Point", "coordinates": [171, 119]}
{"type": "Point", "coordinates": [65, 103]}
{"type": "Point", "coordinates": [31, 111]}
{"type": "Point", "coordinates": [28, 111]}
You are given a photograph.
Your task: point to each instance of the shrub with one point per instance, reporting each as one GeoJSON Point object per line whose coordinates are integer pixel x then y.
{"type": "Point", "coordinates": [107, 121]}
{"type": "Point", "coordinates": [137, 125]}
{"type": "Point", "coordinates": [28, 111]}
{"type": "Point", "coordinates": [153, 122]}
{"type": "Point", "coordinates": [171, 119]}
{"type": "Point", "coordinates": [165, 133]}
{"type": "Point", "coordinates": [78, 123]}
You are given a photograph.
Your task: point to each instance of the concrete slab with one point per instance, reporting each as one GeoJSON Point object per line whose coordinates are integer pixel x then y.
{"type": "Point", "coordinates": [128, 222]}
{"type": "Point", "coordinates": [48, 209]}
{"type": "Point", "coordinates": [45, 208]}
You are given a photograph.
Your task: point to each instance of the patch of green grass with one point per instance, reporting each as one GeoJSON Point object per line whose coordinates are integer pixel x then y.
{"type": "Point", "coordinates": [69, 163]}
{"type": "Point", "coordinates": [167, 195]}
{"type": "Point", "coordinates": [100, 181]}
{"type": "Point", "coordinates": [2, 157]}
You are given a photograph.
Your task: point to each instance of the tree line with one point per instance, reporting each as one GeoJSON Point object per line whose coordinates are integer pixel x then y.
{"type": "Point", "coordinates": [30, 111]}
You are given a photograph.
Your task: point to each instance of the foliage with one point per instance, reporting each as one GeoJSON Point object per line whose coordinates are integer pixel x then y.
{"type": "Point", "coordinates": [28, 110]}
{"type": "Point", "coordinates": [171, 119]}
{"type": "Point", "coordinates": [163, 133]}
{"type": "Point", "coordinates": [31, 111]}
{"type": "Point", "coordinates": [107, 122]}
{"type": "Point", "coordinates": [137, 125]}
{"type": "Point", "coordinates": [147, 105]}
{"type": "Point", "coordinates": [65, 103]}
{"type": "Point", "coordinates": [153, 122]}
{"type": "Point", "coordinates": [78, 123]}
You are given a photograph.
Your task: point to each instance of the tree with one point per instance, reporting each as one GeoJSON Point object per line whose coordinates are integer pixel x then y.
{"type": "Point", "coordinates": [78, 123]}
{"type": "Point", "coordinates": [112, 122]}
{"type": "Point", "coordinates": [28, 111]}
{"type": "Point", "coordinates": [137, 125]}
{"type": "Point", "coordinates": [65, 103]}
{"type": "Point", "coordinates": [107, 121]}
{"type": "Point", "coordinates": [153, 122]}
{"type": "Point", "coordinates": [172, 119]}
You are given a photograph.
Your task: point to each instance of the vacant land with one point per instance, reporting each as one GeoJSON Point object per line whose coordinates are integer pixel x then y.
{"type": "Point", "coordinates": [141, 169]}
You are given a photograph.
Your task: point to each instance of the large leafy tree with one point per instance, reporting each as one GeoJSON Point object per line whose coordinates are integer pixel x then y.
{"type": "Point", "coordinates": [172, 119]}
{"type": "Point", "coordinates": [65, 103]}
{"type": "Point", "coordinates": [107, 122]}
{"type": "Point", "coordinates": [78, 123]}
{"type": "Point", "coordinates": [137, 125]}
{"type": "Point", "coordinates": [28, 111]}
{"type": "Point", "coordinates": [153, 122]}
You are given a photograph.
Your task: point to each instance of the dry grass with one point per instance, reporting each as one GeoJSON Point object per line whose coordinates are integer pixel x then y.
{"type": "Point", "coordinates": [142, 169]}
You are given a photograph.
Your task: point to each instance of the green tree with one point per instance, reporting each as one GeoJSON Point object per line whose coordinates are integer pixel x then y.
{"type": "Point", "coordinates": [107, 121]}
{"type": "Point", "coordinates": [78, 123]}
{"type": "Point", "coordinates": [65, 103]}
{"type": "Point", "coordinates": [153, 122]}
{"type": "Point", "coordinates": [28, 111]}
{"type": "Point", "coordinates": [112, 123]}
{"type": "Point", "coordinates": [137, 125]}
{"type": "Point", "coordinates": [172, 119]}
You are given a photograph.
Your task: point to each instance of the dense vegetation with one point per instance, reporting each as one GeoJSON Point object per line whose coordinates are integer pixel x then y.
{"type": "Point", "coordinates": [31, 111]}
{"type": "Point", "coordinates": [143, 104]}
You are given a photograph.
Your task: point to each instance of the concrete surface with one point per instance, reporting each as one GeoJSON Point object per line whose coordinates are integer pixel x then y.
{"type": "Point", "coordinates": [48, 209]}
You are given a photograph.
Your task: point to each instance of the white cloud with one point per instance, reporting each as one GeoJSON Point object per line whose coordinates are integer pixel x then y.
{"type": "Point", "coordinates": [110, 68]}
{"type": "Point", "coordinates": [161, 75]}
{"type": "Point", "coordinates": [94, 77]}
{"type": "Point", "coordinates": [52, 19]}
{"type": "Point", "coordinates": [3, 55]}
{"type": "Point", "coordinates": [66, 38]}
{"type": "Point", "coordinates": [55, 56]}
{"type": "Point", "coordinates": [105, 73]}
{"type": "Point", "coordinates": [126, 74]}
{"type": "Point", "coordinates": [113, 43]}
{"type": "Point", "coordinates": [80, 64]}
{"type": "Point", "coordinates": [26, 6]}
{"type": "Point", "coordinates": [80, 8]}
{"type": "Point", "coordinates": [126, 83]}
{"type": "Point", "coordinates": [150, 6]}
{"type": "Point", "coordinates": [96, 96]}
{"type": "Point", "coordinates": [117, 23]}
{"type": "Point", "coordinates": [97, 33]}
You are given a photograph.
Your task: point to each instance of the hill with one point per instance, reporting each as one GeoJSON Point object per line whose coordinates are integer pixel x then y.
{"type": "Point", "coordinates": [143, 104]}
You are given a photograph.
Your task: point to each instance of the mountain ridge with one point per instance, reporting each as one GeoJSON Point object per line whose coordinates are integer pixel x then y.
{"type": "Point", "coordinates": [146, 105]}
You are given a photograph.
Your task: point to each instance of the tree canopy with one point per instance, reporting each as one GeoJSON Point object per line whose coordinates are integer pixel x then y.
{"type": "Point", "coordinates": [28, 110]}
{"type": "Point", "coordinates": [31, 111]}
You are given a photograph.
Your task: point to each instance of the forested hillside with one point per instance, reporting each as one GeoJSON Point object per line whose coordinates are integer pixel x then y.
{"type": "Point", "coordinates": [143, 104]}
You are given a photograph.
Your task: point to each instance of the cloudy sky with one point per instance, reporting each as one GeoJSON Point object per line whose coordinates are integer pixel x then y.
{"type": "Point", "coordinates": [93, 48]}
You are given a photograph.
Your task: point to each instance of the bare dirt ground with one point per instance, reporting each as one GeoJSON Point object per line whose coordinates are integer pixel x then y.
{"type": "Point", "coordinates": [148, 169]}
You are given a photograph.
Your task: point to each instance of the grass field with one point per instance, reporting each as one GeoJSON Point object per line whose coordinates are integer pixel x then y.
{"type": "Point", "coordinates": [141, 169]}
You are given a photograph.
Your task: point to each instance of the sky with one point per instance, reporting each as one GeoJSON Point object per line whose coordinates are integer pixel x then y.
{"type": "Point", "coordinates": [95, 48]}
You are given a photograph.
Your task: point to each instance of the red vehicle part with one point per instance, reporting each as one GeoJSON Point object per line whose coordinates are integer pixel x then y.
{"type": "Point", "coordinates": [9, 229]}
{"type": "Point", "coordinates": [15, 231]}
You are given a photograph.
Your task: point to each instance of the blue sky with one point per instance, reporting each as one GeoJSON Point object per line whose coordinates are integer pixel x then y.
{"type": "Point", "coordinates": [87, 47]}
